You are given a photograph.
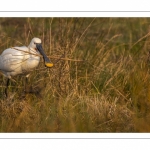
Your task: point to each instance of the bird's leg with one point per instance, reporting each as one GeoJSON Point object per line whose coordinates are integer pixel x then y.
{"type": "Point", "coordinates": [24, 92]}
{"type": "Point", "coordinates": [25, 84]}
{"type": "Point", "coordinates": [7, 84]}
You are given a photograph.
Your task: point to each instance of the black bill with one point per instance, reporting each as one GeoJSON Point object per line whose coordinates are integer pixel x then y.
{"type": "Point", "coordinates": [47, 61]}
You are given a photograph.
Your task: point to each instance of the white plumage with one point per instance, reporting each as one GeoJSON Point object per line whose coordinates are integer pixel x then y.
{"type": "Point", "coordinates": [14, 62]}
{"type": "Point", "coordinates": [22, 60]}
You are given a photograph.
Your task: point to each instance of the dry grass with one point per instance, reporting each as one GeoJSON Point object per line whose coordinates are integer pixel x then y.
{"type": "Point", "coordinates": [99, 82]}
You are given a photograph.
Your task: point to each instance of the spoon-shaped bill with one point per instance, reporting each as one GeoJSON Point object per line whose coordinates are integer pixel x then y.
{"type": "Point", "coordinates": [47, 61]}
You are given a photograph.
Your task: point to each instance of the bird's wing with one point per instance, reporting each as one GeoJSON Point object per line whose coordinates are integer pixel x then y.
{"type": "Point", "coordinates": [12, 58]}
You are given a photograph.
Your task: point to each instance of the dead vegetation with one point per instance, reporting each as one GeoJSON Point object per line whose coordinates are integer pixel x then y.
{"type": "Point", "coordinates": [99, 82]}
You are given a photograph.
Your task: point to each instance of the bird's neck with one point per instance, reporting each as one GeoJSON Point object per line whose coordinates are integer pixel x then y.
{"type": "Point", "coordinates": [33, 51]}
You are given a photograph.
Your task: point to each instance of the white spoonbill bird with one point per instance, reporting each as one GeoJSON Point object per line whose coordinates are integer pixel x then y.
{"type": "Point", "coordinates": [22, 60]}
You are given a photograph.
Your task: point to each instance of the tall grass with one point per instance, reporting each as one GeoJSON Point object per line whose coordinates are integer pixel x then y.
{"type": "Point", "coordinates": [99, 82]}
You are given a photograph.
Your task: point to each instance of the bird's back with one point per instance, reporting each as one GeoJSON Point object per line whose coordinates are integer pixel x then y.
{"type": "Point", "coordinates": [15, 61]}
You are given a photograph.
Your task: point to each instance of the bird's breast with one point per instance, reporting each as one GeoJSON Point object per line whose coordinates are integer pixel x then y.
{"type": "Point", "coordinates": [30, 63]}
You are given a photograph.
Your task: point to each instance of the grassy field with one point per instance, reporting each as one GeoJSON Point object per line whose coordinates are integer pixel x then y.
{"type": "Point", "coordinates": [100, 81]}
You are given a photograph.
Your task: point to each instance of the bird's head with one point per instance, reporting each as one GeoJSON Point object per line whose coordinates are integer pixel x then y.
{"type": "Point", "coordinates": [36, 44]}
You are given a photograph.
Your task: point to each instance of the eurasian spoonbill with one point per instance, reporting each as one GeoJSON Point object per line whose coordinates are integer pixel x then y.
{"type": "Point", "coordinates": [22, 60]}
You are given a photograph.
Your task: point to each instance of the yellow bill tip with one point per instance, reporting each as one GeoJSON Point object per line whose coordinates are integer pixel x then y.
{"type": "Point", "coordinates": [49, 64]}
